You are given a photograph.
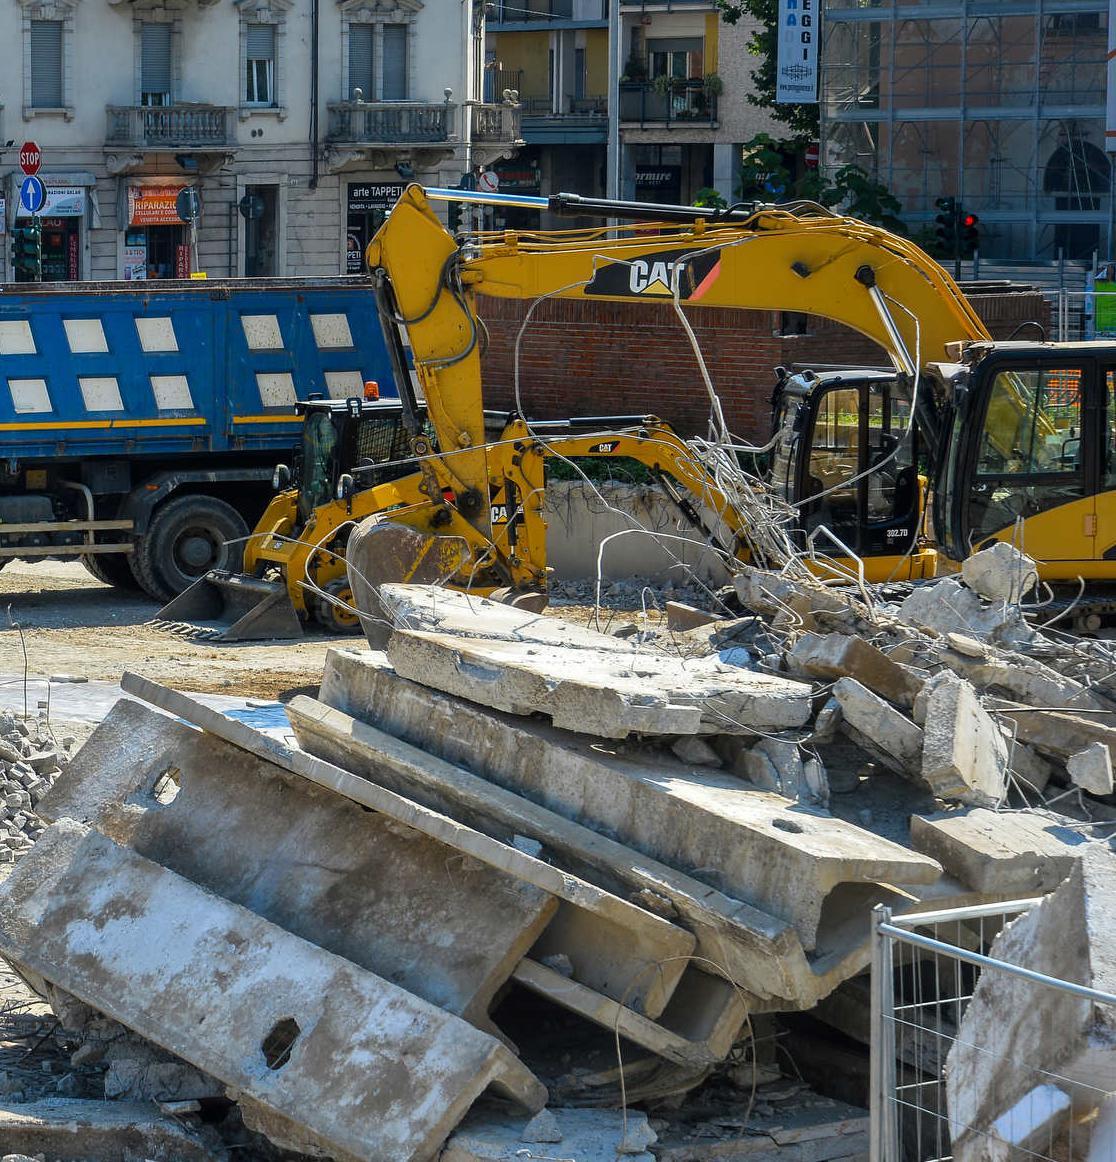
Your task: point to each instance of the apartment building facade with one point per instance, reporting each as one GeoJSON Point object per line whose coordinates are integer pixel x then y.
{"type": "Point", "coordinates": [296, 123]}
{"type": "Point", "coordinates": [666, 78]}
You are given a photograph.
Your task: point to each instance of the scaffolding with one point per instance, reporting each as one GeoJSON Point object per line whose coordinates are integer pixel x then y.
{"type": "Point", "coordinates": [998, 103]}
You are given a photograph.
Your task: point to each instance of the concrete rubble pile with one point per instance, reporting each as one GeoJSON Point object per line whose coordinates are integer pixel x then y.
{"type": "Point", "coordinates": [507, 839]}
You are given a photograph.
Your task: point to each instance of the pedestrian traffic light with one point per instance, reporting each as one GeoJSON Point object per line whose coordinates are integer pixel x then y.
{"type": "Point", "coordinates": [946, 228]}
{"type": "Point", "coordinates": [970, 234]}
{"type": "Point", "coordinates": [27, 252]}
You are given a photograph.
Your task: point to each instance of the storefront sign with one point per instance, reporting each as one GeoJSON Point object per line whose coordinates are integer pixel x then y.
{"type": "Point", "coordinates": [61, 202]}
{"type": "Point", "coordinates": [659, 177]}
{"type": "Point", "coordinates": [518, 180]}
{"type": "Point", "coordinates": [368, 196]}
{"type": "Point", "coordinates": [182, 261]}
{"type": "Point", "coordinates": [133, 263]}
{"type": "Point", "coordinates": [154, 205]}
{"type": "Point", "coordinates": [797, 79]}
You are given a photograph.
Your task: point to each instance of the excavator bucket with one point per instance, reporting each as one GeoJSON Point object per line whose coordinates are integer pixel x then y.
{"type": "Point", "coordinates": [381, 551]}
{"type": "Point", "coordinates": [230, 607]}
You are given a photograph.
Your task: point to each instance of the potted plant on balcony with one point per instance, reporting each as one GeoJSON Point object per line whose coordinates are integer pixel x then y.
{"type": "Point", "coordinates": [666, 85]}
{"type": "Point", "coordinates": [635, 70]}
{"type": "Point", "coordinates": [712, 85]}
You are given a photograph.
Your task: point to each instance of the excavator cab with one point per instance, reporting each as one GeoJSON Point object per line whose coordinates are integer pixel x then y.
{"type": "Point", "coordinates": [1032, 455]}
{"type": "Point", "coordinates": [847, 457]}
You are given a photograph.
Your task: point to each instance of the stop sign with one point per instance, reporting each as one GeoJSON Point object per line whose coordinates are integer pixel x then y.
{"type": "Point", "coordinates": [30, 157]}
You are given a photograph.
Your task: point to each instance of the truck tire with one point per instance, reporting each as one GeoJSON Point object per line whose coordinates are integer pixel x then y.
{"type": "Point", "coordinates": [186, 538]}
{"type": "Point", "coordinates": [112, 569]}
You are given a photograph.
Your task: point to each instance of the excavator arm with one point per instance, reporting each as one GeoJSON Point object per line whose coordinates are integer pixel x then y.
{"type": "Point", "coordinates": [866, 278]}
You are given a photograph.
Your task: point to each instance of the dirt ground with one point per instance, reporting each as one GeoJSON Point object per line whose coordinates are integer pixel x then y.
{"type": "Point", "coordinates": [73, 624]}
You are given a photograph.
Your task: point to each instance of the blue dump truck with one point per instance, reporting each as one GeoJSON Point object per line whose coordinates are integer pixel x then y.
{"type": "Point", "coordinates": [140, 423]}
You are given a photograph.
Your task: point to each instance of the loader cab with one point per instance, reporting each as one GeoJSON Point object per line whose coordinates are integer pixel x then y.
{"type": "Point", "coordinates": [846, 457]}
{"type": "Point", "coordinates": [1031, 456]}
{"type": "Point", "coordinates": [363, 438]}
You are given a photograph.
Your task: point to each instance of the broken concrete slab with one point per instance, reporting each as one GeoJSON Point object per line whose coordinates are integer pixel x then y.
{"type": "Point", "coordinates": [752, 845]}
{"type": "Point", "coordinates": [682, 617]}
{"type": "Point", "coordinates": [301, 1031]}
{"type": "Point", "coordinates": [877, 727]}
{"type": "Point", "coordinates": [947, 606]}
{"type": "Point", "coordinates": [1057, 733]}
{"type": "Point", "coordinates": [589, 1135]}
{"type": "Point", "coordinates": [1091, 769]}
{"type": "Point", "coordinates": [1018, 1033]}
{"type": "Point", "coordinates": [1011, 853]}
{"type": "Point", "coordinates": [774, 764]}
{"type": "Point", "coordinates": [620, 942]}
{"type": "Point", "coordinates": [75, 1130]}
{"type": "Point", "coordinates": [321, 867]}
{"type": "Point", "coordinates": [700, 1032]}
{"type": "Point", "coordinates": [964, 755]}
{"type": "Point", "coordinates": [840, 655]}
{"type": "Point", "coordinates": [1000, 573]}
{"type": "Point", "coordinates": [609, 695]}
{"type": "Point", "coordinates": [762, 954]}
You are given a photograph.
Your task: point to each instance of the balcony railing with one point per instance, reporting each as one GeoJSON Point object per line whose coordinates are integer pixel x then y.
{"type": "Point", "coordinates": [496, 124]}
{"type": "Point", "coordinates": [391, 122]}
{"type": "Point", "coordinates": [685, 103]}
{"type": "Point", "coordinates": [586, 107]}
{"type": "Point", "coordinates": [542, 11]}
{"type": "Point", "coordinates": [171, 126]}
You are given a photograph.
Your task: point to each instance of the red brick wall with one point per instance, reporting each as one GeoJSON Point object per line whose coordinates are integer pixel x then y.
{"type": "Point", "coordinates": [582, 358]}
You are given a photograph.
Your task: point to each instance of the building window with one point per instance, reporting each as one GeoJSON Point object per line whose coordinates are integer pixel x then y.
{"type": "Point", "coordinates": [156, 67]}
{"type": "Point", "coordinates": [47, 69]}
{"type": "Point", "coordinates": [261, 233]}
{"type": "Point", "coordinates": [259, 42]}
{"type": "Point", "coordinates": [361, 83]}
{"type": "Point", "coordinates": [395, 62]}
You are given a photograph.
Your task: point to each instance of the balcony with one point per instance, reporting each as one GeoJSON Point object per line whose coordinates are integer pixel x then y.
{"type": "Point", "coordinates": [161, 127]}
{"type": "Point", "coordinates": [580, 120]}
{"type": "Point", "coordinates": [414, 123]}
{"type": "Point", "coordinates": [497, 125]}
{"type": "Point", "coordinates": [685, 105]}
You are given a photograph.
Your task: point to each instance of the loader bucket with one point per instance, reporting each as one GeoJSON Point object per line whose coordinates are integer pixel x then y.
{"type": "Point", "coordinates": [384, 551]}
{"type": "Point", "coordinates": [230, 607]}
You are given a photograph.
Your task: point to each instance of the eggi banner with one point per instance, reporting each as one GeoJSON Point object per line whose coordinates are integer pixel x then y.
{"type": "Point", "coordinates": [797, 80]}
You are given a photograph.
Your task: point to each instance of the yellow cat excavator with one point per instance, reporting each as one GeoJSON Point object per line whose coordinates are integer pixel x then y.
{"type": "Point", "coordinates": [1013, 437]}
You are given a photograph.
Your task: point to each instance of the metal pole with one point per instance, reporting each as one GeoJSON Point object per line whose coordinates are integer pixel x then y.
{"type": "Point", "coordinates": [883, 1132]}
{"type": "Point", "coordinates": [614, 69]}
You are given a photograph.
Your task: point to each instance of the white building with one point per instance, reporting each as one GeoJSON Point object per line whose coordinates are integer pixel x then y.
{"type": "Point", "coordinates": [297, 122]}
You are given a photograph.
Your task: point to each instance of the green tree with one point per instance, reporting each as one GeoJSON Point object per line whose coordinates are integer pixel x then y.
{"type": "Point", "coordinates": [707, 198]}
{"type": "Point", "coordinates": [801, 119]}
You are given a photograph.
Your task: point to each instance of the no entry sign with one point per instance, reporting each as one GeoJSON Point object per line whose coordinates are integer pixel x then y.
{"type": "Point", "coordinates": [30, 157]}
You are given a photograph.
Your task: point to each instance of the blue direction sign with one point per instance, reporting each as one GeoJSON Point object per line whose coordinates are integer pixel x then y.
{"type": "Point", "coordinates": [32, 194]}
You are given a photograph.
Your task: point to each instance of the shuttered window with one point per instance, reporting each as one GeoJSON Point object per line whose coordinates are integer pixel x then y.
{"type": "Point", "coordinates": [259, 42]}
{"type": "Point", "coordinates": [360, 62]}
{"type": "Point", "coordinates": [395, 62]}
{"type": "Point", "coordinates": [46, 64]}
{"type": "Point", "coordinates": [155, 64]}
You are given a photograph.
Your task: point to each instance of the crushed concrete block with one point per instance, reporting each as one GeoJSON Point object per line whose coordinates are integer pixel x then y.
{"type": "Point", "coordinates": [773, 764]}
{"type": "Point", "coordinates": [786, 861]}
{"type": "Point", "coordinates": [947, 606]}
{"type": "Point", "coordinates": [1000, 573]}
{"type": "Point", "coordinates": [160, 1081]}
{"type": "Point", "coordinates": [1014, 853]}
{"type": "Point", "coordinates": [607, 694]}
{"type": "Point", "coordinates": [70, 1130]}
{"type": "Point", "coordinates": [681, 616]}
{"type": "Point", "coordinates": [335, 880]}
{"type": "Point", "coordinates": [1060, 734]}
{"type": "Point", "coordinates": [1028, 768]}
{"type": "Point", "coordinates": [543, 1127]}
{"type": "Point", "coordinates": [589, 1135]}
{"type": "Point", "coordinates": [696, 751]}
{"type": "Point", "coordinates": [1091, 769]}
{"type": "Point", "coordinates": [878, 728]}
{"type": "Point", "coordinates": [964, 755]}
{"type": "Point", "coordinates": [299, 1030]}
{"type": "Point", "coordinates": [1017, 1034]}
{"type": "Point", "coordinates": [839, 655]}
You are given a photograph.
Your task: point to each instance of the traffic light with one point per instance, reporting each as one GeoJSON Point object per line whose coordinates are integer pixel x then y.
{"type": "Point", "coordinates": [946, 228]}
{"type": "Point", "coordinates": [970, 234]}
{"type": "Point", "coordinates": [27, 255]}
